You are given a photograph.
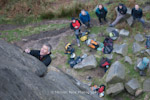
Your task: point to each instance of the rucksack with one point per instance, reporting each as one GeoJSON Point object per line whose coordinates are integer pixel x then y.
{"type": "Point", "coordinates": [69, 49]}
{"type": "Point", "coordinates": [147, 44]}
{"type": "Point", "coordinates": [104, 62]}
{"type": "Point", "coordinates": [114, 34]}
{"type": "Point", "coordinates": [73, 62]}
{"type": "Point", "coordinates": [108, 45]}
{"type": "Point", "coordinates": [92, 44]}
{"type": "Point", "coordinates": [143, 64]}
{"type": "Point", "coordinates": [84, 36]}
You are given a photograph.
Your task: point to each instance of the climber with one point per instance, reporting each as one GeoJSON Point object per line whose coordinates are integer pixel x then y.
{"type": "Point", "coordinates": [75, 25]}
{"type": "Point", "coordinates": [43, 54]}
{"type": "Point", "coordinates": [85, 18]}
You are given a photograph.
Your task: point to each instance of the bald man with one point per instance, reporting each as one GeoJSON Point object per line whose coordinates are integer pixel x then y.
{"type": "Point", "coordinates": [85, 18]}
{"type": "Point", "coordinates": [137, 14]}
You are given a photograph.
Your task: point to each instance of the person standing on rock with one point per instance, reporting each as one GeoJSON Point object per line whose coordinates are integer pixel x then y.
{"type": "Point", "coordinates": [121, 12]}
{"type": "Point", "coordinates": [43, 54]}
{"type": "Point", "coordinates": [137, 14]}
{"type": "Point", "coordinates": [85, 18]}
{"type": "Point", "coordinates": [101, 12]}
{"type": "Point", "coordinates": [75, 25]}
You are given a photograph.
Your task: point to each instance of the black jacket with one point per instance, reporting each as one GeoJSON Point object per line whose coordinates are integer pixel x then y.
{"type": "Point", "coordinates": [101, 13]}
{"type": "Point", "coordinates": [72, 26]}
{"type": "Point", "coordinates": [137, 13]}
{"type": "Point", "coordinates": [122, 11]}
{"type": "Point", "coordinates": [45, 59]}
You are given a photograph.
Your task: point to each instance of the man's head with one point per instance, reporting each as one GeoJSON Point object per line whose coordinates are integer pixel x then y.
{"type": "Point", "coordinates": [120, 6]}
{"type": "Point", "coordinates": [46, 49]}
{"type": "Point", "coordinates": [83, 12]}
{"type": "Point", "coordinates": [73, 20]}
{"type": "Point", "coordinates": [137, 7]}
{"type": "Point", "coordinates": [100, 6]}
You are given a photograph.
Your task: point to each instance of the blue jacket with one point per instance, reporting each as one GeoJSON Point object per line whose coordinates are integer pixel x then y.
{"type": "Point", "coordinates": [84, 18]}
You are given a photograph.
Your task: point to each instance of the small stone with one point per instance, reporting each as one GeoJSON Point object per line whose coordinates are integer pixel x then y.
{"type": "Point", "coordinates": [115, 89]}
{"type": "Point", "coordinates": [139, 37]}
{"type": "Point", "coordinates": [138, 92]}
{"type": "Point", "coordinates": [128, 59]}
{"type": "Point", "coordinates": [136, 47]}
{"type": "Point", "coordinates": [124, 32]}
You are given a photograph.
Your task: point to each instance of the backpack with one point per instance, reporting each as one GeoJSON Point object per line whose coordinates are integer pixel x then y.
{"type": "Point", "coordinates": [114, 35]}
{"type": "Point", "coordinates": [69, 49]}
{"type": "Point", "coordinates": [84, 36]}
{"type": "Point", "coordinates": [92, 44]}
{"type": "Point", "coordinates": [147, 45]}
{"type": "Point", "coordinates": [72, 62]}
{"type": "Point", "coordinates": [108, 45]}
{"type": "Point", "coordinates": [143, 64]}
{"type": "Point", "coordinates": [104, 62]}
{"type": "Point", "coordinates": [101, 88]}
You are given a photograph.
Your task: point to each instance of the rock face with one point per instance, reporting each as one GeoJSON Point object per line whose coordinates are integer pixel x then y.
{"type": "Point", "coordinates": [139, 37]}
{"type": "Point", "coordinates": [128, 60]}
{"type": "Point", "coordinates": [136, 47]}
{"type": "Point", "coordinates": [115, 89]}
{"type": "Point", "coordinates": [121, 49]}
{"type": "Point", "coordinates": [19, 74]}
{"type": "Point", "coordinates": [124, 32]}
{"type": "Point", "coordinates": [146, 85]}
{"type": "Point", "coordinates": [87, 63]}
{"type": "Point", "coordinates": [116, 73]}
{"type": "Point", "coordinates": [132, 86]}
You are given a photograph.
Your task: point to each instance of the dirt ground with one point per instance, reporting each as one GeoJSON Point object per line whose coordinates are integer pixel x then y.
{"type": "Point", "coordinates": [55, 37]}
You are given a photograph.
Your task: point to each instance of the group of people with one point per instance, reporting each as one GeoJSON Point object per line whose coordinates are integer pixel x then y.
{"type": "Point", "coordinates": [101, 13]}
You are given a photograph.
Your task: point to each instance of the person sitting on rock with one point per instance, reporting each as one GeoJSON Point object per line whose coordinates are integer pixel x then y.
{"type": "Point", "coordinates": [101, 12]}
{"type": "Point", "coordinates": [137, 14]}
{"type": "Point", "coordinates": [85, 18]}
{"type": "Point", "coordinates": [43, 54]}
{"type": "Point", "coordinates": [75, 25]}
{"type": "Point", "coordinates": [143, 65]}
{"type": "Point", "coordinates": [121, 12]}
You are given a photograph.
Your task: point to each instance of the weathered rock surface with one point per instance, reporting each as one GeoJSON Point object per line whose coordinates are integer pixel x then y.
{"type": "Point", "coordinates": [121, 49]}
{"type": "Point", "coordinates": [124, 32]}
{"type": "Point", "coordinates": [139, 37]}
{"type": "Point", "coordinates": [87, 63]}
{"type": "Point", "coordinates": [146, 85]}
{"type": "Point", "coordinates": [115, 89]}
{"type": "Point", "coordinates": [19, 74]}
{"type": "Point", "coordinates": [136, 47]}
{"type": "Point", "coordinates": [132, 85]}
{"type": "Point", "coordinates": [128, 60]}
{"type": "Point", "coordinates": [116, 73]}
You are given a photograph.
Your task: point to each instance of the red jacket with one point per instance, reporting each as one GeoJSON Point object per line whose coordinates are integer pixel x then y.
{"type": "Point", "coordinates": [77, 23]}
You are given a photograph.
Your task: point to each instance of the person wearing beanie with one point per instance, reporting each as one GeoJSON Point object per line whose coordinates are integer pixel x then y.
{"type": "Point", "coordinates": [75, 25]}
{"type": "Point", "coordinates": [121, 12]}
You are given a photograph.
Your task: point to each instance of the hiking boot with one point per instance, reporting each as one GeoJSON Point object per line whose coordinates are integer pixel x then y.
{"type": "Point", "coordinates": [101, 23]}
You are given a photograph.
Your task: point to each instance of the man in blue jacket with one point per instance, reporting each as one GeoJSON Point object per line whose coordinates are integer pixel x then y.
{"type": "Point", "coordinates": [101, 12]}
{"type": "Point", "coordinates": [137, 14]}
{"type": "Point", "coordinates": [85, 18]}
